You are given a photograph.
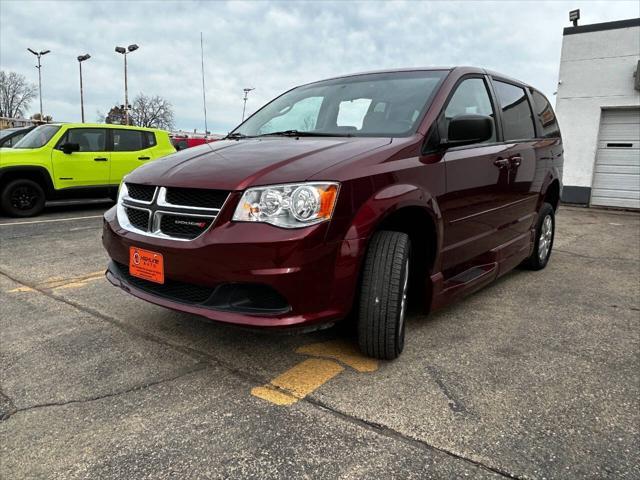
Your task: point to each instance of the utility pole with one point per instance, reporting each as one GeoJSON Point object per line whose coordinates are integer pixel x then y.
{"type": "Point", "coordinates": [39, 67]}
{"type": "Point", "coordinates": [124, 51]}
{"type": "Point", "coordinates": [81, 59]}
{"type": "Point", "coordinates": [204, 98]}
{"type": "Point", "coordinates": [246, 93]}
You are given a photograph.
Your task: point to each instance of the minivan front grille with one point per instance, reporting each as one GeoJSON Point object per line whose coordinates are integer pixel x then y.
{"type": "Point", "coordinates": [168, 212]}
{"type": "Point", "coordinates": [196, 197]}
{"type": "Point", "coordinates": [138, 218]}
{"type": "Point", "coordinates": [143, 193]}
{"type": "Point", "coordinates": [183, 226]}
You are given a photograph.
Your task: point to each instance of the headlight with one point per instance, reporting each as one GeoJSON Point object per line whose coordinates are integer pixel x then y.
{"type": "Point", "coordinates": [294, 205]}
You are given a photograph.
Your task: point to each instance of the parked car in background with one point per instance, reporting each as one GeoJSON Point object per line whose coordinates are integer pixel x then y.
{"type": "Point", "coordinates": [353, 194]}
{"type": "Point", "coordinates": [10, 136]}
{"type": "Point", "coordinates": [58, 161]}
{"type": "Point", "coordinates": [181, 141]}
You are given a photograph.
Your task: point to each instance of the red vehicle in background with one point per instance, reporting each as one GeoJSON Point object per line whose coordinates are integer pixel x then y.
{"type": "Point", "coordinates": [182, 140]}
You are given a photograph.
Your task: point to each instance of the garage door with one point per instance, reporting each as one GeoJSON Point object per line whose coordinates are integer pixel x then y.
{"type": "Point", "coordinates": [616, 177]}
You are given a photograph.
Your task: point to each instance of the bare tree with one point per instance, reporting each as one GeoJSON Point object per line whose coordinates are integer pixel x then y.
{"type": "Point", "coordinates": [155, 112]}
{"type": "Point", "coordinates": [15, 94]}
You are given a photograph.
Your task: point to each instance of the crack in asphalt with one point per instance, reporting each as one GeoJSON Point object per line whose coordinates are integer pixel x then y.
{"type": "Point", "coordinates": [574, 254]}
{"type": "Point", "coordinates": [196, 368]}
{"type": "Point", "coordinates": [205, 359]}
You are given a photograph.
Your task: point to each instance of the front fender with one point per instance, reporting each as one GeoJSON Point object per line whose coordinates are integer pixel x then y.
{"type": "Point", "coordinates": [387, 201]}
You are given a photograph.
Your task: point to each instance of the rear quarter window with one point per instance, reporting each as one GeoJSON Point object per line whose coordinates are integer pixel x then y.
{"type": "Point", "coordinates": [546, 115]}
{"type": "Point", "coordinates": [517, 118]}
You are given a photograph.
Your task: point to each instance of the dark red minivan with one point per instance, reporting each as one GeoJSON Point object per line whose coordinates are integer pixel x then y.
{"type": "Point", "coordinates": [351, 194]}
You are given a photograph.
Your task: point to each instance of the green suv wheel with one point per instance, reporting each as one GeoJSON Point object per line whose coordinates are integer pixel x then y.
{"type": "Point", "coordinates": [22, 198]}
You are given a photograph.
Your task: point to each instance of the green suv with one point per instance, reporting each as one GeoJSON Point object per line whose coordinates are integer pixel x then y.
{"type": "Point", "coordinates": [60, 161]}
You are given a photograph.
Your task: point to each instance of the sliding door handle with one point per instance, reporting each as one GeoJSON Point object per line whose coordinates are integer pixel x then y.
{"type": "Point", "coordinates": [501, 163]}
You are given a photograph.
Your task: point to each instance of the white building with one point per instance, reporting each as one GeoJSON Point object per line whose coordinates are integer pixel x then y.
{"type": "Point", "coordinates": [598, 107]}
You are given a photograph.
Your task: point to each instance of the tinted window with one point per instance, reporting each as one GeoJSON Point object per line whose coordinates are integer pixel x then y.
{"type": "Point", "coordinates": [546, 115]}
{"type": "Point", "coordinates": [38, 137]}
{"type": "Point", "coordinates": [128, 140]}
{"type": "Point", "coordinates": [471, 98]}
{"type": "Point", "coordinates": [88, 139]}
{"type": "Point", "coordinates": [517, 119]}
{"type": "Point", "coordinates": [151, 139]}
{"type": "Point", "coordinates": [341, 106]}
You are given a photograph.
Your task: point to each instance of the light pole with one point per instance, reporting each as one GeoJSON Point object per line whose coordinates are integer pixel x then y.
{"type": "Point", "coordinates": [246, 93]}
{"type": "Point", "coordinates": [124, 51]}
{"type": "Point", "coordinates": [81, 59]}
{"type": "Point", "coordinates": [39, 66]}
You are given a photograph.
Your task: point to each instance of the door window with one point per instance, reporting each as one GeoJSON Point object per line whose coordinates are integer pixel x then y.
{"type": "Point", "coordinates": [128, 140]}
{"type": "Point", "coordinates": [351, 113]}
{"type": "Point", "coordinates": [471, 98]}
{"type": "Point", "coordinates": [517, 118]}
{"type": "Point", "coordinates": [88, 139]}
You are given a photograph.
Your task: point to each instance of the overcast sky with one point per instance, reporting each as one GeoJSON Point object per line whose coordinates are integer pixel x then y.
{"type": "Point", "coordinates": [271, 46]}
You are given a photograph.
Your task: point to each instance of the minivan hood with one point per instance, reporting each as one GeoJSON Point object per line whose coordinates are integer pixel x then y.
{"type": "Point", "coordinates": [238, 164]}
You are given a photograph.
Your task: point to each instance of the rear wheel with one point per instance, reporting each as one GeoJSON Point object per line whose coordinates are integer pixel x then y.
{"type": "Point", "coordinates": [383, 295]}
{"type": "Point", "coordinates": [22, 198]}
{"type": "Point", "coordinates": [545, 231]}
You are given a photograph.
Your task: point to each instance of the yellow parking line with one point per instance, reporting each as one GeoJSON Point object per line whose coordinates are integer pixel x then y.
{"type": "Point", "coordinates": [309, 375]}
{"type": "Point", "coordinates": [298, 382]}
{"type": "Point", "coordinates": [342, 351]}
{"type": "Point", "coordinates": [56, 283]}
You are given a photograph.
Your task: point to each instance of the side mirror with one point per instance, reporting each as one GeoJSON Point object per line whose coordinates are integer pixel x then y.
{"type": "Point", "coordinates": [69, 148]}
{"type": "Point", "coordinates": [469, 129]}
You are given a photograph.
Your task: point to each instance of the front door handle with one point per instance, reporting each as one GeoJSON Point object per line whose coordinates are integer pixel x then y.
{"type": "Point", "coordinates": [100, 159]}
{"type": "Point", "coordinates": [144, 158]}
{"type": "Point", "coordinates": [501, 163]}
{"type": "Point", "coordinates": [516, 161]}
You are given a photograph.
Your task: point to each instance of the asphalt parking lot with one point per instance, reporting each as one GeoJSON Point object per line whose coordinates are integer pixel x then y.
{"type": "Point", "coordinates": [536, 376]}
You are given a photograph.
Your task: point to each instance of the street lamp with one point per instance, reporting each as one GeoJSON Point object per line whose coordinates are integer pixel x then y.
{"type": "Point", "coordinates": [246, 93]}
{"type": "Point", "coordinates": [124, 51]}
{"type": "Point", "coordinates": [81, 59]}
{"type": "Point", "coordinates": [39, 66]}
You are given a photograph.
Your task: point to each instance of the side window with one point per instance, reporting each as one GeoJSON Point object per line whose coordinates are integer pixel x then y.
{"type": "Point", "coordinates": [88, 139]}
{"type": "Point", "coordinates": [127, 140]}
{"type": "Point", "coordinates": [471, 98]}
{"type": "Point", "coordinates": [546, 115]}
{"type": "Point", "coordinates": [301, 116]}
{"type": "Point", "coordinates": [351, 113]}
{"type": "Point", "coordinates": [517, 119]}
{"type": "Point", "coordinates": [150, 139]}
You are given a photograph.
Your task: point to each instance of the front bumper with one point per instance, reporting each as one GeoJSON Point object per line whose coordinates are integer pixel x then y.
{"type": "Point", "coordinates": [314, 280]}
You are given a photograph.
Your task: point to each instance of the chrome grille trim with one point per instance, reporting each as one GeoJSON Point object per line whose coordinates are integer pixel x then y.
{"type": "Point", "coordinates": [159, 207]}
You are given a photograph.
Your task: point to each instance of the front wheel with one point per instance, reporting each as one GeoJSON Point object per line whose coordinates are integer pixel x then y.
{"type": "Point", "coordinates": [383, 295]}
{"type": "Point", "coordinates": [545, 231]}
{"type": "Point", "coordinates": [22, 198]}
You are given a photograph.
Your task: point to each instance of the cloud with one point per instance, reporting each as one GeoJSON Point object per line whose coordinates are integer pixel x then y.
{"type": "Point", "coordinates": [271, 46]}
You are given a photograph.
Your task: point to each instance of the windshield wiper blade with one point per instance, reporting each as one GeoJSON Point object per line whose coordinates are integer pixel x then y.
{"type": "Point", "coordinates": [298, 133]}
{"type": "Point", "coordinates": [235, 136]}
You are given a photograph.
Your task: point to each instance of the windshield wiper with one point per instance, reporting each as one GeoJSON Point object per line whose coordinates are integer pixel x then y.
{"type": "Point", "coordinates": [235, 136]}
{"type": "Point", "coordinates": [298, 133]}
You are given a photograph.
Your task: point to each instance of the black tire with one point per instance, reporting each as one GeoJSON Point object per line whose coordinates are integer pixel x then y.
{"type": "Point", "coordinates": [22, 198]}
{"type": "Point", "coordinates": [383, 301]}
{"type": "Point", "coordinates": [539, 259]}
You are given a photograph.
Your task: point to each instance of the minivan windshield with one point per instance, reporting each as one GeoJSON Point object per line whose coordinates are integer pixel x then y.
{"type": "Point", "coordinates": [370, 105]}
{"type": "Point", "coordinates": [38, 137]}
